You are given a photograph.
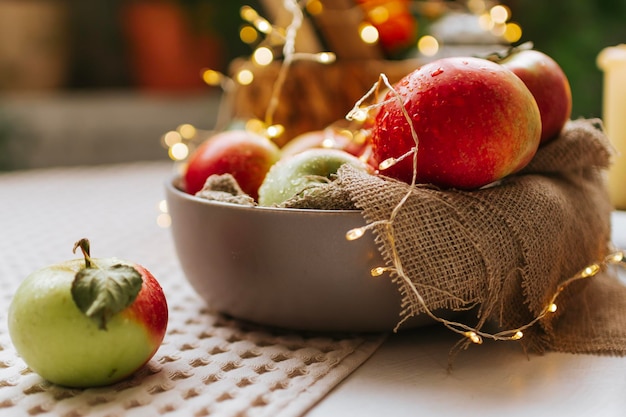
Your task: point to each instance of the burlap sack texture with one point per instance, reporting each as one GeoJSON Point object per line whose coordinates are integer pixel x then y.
{"type": "Point", "coordinates": [504, 250]}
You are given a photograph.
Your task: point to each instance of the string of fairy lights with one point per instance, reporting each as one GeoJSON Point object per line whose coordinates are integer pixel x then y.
{"type": "Point", "coordinates": [473, 334]}
{"type": "Point", "coordinates": [266, 37]}
{"type": "Point", "coordinates": [272, 43]}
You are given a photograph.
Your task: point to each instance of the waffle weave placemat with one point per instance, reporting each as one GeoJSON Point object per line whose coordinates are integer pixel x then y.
{"type": "Point", "coordinates": [208, 365]}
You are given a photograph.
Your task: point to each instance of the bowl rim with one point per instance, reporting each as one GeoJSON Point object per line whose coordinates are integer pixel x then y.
{"type": "Point", "coordinates": [173, 185]}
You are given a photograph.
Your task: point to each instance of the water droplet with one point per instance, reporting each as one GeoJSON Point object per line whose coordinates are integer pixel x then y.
{"type": "Point", "coordinates": [436, 72]}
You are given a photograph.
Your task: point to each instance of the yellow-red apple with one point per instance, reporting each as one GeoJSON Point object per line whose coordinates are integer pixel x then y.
{"type": "Point", "coordinates": [548, 83]}
{"type": "Point", "coordinates": [475, 122]}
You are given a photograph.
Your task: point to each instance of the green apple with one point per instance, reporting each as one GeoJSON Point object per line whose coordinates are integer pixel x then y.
{"type": "Point", "coordinates": [86, 323]}
{"type": "Point", "coordinates": [298, 174]}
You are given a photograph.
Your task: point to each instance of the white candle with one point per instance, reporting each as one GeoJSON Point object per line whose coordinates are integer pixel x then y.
{"type": "Point", "coordinates": [612, 61]}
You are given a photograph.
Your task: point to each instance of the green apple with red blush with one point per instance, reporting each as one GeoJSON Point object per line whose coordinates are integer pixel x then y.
{"type": "Point", "coordinates": [88, 322]}
{"type": "Point", "coordinates": [467, 121]}
{"type": "Point", "coordinates": [299, 174]}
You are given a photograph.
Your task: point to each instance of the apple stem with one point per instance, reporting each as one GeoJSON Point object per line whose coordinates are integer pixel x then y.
{"type": "Point", "coordinates": [498, 57]}
{"type": "Point", "coordinates": [100, 292]}
{"type": "Point", "coordinates": [83, 244]}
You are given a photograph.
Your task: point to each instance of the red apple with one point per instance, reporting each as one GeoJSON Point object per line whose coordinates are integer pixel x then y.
{"type": "Point", "coordinates": [91, 322]}
{"type": "Point", "coordinates": [549, 85]}
{"type": "Point", "coordinates": [475, 121]}
{"type": "Point", "coordinates": [245, 155]}
{"type": "Point", "coordinates": [329, 138]}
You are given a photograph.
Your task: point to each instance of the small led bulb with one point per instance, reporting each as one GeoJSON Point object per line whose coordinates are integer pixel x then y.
{"type": "Point", "coordinates": [590, 271]}
{"type": "Point", "coordinates": [617, 257]}
{"type": "Point", "coordinates": [378, 271]}
{"type": "Point", "coordinates": [360, 115]}
{"type": "Point", "coordinates": [354, 234]}
{"type": "Point", "coordinates": [475, 338]}
{"type": "Point", "coordinates": [389, 162]}
{"type": "Point", "coordinates": [518, 335]}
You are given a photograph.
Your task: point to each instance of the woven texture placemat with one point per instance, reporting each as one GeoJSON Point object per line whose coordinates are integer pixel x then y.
{"type": "Point", "coordinates": [208, 365]}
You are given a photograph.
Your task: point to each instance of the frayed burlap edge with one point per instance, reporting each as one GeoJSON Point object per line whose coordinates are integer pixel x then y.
{"type": "Point", "coordinates": [506, 249]}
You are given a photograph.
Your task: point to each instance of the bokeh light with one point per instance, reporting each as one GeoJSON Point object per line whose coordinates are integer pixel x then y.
{"type": "Point", "coordinates": [178, 151]}
{"type": "Point", "coordinates": [212, 77]}
{"type": "Point", "coordinates": [263, 56]}
{"type": "Point", "coordinates": [428, 45]}
{"type": "Point", "coordinates": [187, 131]}
{"type": "Point", "coordinates": [499, 14]}
{"type": "Point", "coordinates": [314, 7]}
{"type": "Point", "coordinates": [513, 32]}
{"type": "Point", "coordinates": [248, 34]}
{"type": "Point", "coordinates": [245, 77]}
{"type": "Point", "coordinates": [368, 33]}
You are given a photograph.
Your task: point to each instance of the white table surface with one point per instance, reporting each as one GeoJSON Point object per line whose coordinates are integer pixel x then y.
{"type": "Point", "coordinates": [408, 376]}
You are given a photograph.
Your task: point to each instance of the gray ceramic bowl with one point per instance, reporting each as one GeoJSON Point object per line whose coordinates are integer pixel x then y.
{"type": "Point", "coordinates": [283, 267]}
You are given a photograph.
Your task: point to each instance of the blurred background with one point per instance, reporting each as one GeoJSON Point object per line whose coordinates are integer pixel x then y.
{"type": "Point", "coordinates": [101, 81]}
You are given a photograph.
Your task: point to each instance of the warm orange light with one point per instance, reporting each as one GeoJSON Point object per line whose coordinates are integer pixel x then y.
{"type": "Point", "coordinates": [512, 32]}
{"type": "Point", "coordinates": [428, 45]}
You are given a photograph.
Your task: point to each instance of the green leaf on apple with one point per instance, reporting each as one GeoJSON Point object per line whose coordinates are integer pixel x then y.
{"type": "Point", "coordinates": [102, 292]}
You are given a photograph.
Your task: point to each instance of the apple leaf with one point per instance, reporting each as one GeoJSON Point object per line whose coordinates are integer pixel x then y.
{"type": "Point", "coordinates": [101, 293]}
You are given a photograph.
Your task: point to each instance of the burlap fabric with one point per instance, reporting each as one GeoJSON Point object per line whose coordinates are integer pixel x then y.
{"type": "Point", "coordinates": [503, 251]}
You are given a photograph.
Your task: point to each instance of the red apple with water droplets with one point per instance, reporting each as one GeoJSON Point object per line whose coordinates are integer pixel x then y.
{"type": "Point", "coordinates": [475, 121]}
{"type": "Point", "coordinates": [245, 155]}
{"type": "Point", "coordinates": [549, 85]}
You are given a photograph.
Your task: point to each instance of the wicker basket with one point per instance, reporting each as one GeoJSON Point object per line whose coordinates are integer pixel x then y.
{"type": "Point", "coordinates": [314, 95]}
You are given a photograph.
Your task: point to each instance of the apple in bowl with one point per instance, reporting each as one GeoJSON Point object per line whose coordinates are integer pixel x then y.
{"type": "Point", "coordinates": [299, 174]}
{"type": "Point", "coordinates": [475, 122]}
{"type": "Point", "coordinates": [548, 83]}
{"type": "Point", "coordinates": [459, 122]}
{"type": "Point", "coordinates": [283, 267]}
{"type": "Point", "coordinates": [328, 138]}
{"type": "Point", "coordinates": [245, 155]}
